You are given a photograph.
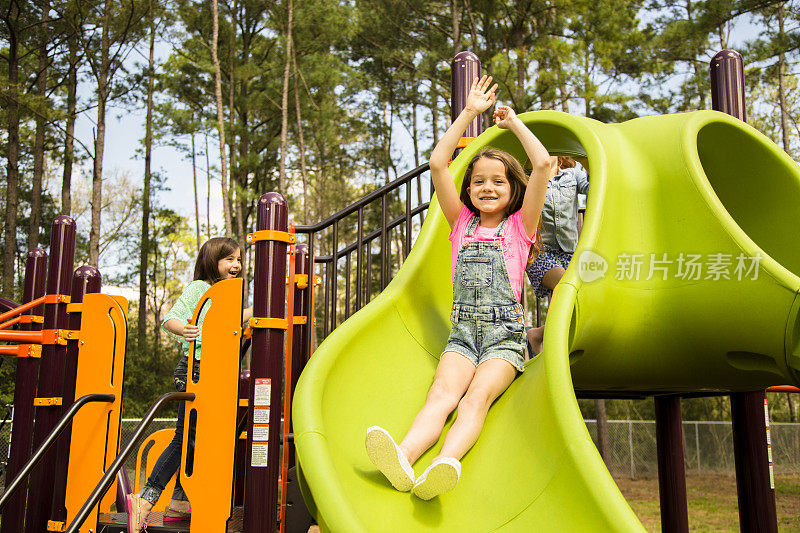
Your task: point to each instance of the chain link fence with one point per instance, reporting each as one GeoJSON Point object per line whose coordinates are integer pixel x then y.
{"type": "Point", "coordinates": [708, 446]}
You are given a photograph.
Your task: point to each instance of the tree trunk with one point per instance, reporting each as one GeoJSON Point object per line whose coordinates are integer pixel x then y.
{"type": "Point", "coordinates": [415, 138]}
{"type": "Point", "coordinates": [792, 411]}
{"type": "Point", "coordinates": [782, 82]}
{"type": "Point", "coordinates": [456, 28]}
{"type": "Point", "coordinates": [415, 133]}
{"type": "Point", "coordinates": [235, 172]}
{"type": "Point", "coordinates": [148, 146]}
{"type": "Point", "coordinates": [586, 82]}
{"type": "Point", "coordinates": [700, 77]}
{"type": "Point", "coordinates": [223, 162]}
{"type": "Point", "coordinates": [520, 92]}
{"type": "Point", "coordinates": [194, 186]}
{"type": "Point", "coordinates": [208, 190]}
{"type": "Point", "coordinates": [285, 102]}
{"type": "Point", "coordinates": [435, 117]}
{"type": "Point", "coordinates": [388, 118]}
{"type": "Point", "coordinates": [100, 140]}
{"type": "Point", "coordinates": [38, 144]}
{"type": "Point", "coordinates": [69, 138]}
{"type": "Point", "coordinates": [301, 140]}
{"type": "Point", "coordinates": [602, 428]}
{"type": "Point", "coordinates": [12, 155]}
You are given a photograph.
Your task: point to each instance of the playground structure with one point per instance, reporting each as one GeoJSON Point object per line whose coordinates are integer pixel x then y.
{"type": "Point", "coordinates": [673, 185]}
{"type": "Point", "coordinates": [550, 472]}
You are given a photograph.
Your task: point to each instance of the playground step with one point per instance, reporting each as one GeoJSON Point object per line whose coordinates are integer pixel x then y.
{"type": "Point", "coordinates": [118, 523]}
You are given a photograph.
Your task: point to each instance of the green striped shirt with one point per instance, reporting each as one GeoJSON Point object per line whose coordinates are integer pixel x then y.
{"type": "Point", "coordinates": [184, 309]}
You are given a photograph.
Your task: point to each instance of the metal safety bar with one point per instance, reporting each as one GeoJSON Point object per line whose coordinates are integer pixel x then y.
{"type": "Point", "coordinates": [51, 438]}
{"type": "Point", "coordinates": [111, 472]}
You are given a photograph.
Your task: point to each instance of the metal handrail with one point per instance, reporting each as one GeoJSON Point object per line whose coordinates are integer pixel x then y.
{"type": "Point", "coordinates": [111, 472]}
{"type": "Point", "coordinates": [371, 236]}
{"type": "Point", "coordinates": [363, 276]}
{"type": "Point", "coordinates": [364, 201]}
{"type": "Point", "coordinates": [50, 440]}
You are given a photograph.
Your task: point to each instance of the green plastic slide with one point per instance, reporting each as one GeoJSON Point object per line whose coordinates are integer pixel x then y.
{"type": "Point", "coordinates": [685, 279]}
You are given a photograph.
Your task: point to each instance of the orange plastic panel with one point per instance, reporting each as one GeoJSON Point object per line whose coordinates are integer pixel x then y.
{"type": "Point", "coordinates": [95, 429]}
{"type": "Point", "coordinates": [160, 439]}
{"type": "Point", "coordinates": [210, 486]}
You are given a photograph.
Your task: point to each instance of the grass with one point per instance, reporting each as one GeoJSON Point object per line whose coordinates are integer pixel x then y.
{"type": "Point", "coordinates": [712, 502]}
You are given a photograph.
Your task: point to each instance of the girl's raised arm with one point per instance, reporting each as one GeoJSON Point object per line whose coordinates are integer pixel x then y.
{"type": "Point", "coordinates": [481, 97]}
{"type": "Point", "coordinates": [533, 201]}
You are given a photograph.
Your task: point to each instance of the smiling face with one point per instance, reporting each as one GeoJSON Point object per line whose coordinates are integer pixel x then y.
{"type": "Point", "coordinates": [230, 266]}
{"type": "Point", "coordinates": [489, 188]}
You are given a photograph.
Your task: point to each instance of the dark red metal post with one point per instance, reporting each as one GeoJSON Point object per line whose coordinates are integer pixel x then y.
{"type": "Point", "coordinates": [123, 488]}
{"type": "Point", "coordinates": [266, 369]}
{"type": "Point", "coordinates": [302, 305]}
{"type": "Point", "coordinates": [51, 372]}
{"type": "Point", "coordinates": [727, 84]}
{"type": "Point", "coordinates": [85, 280]}
{"type": "Point", "coordinates": [24, 392]}
{"type": "Point", "coordinates": [754, 486]}
{"type": "Point", "coordinates": [464, 68]}
{"type": "Point", "coordinates": [300, 353]}
{"type": "Point", "coordinates": [671, 470]}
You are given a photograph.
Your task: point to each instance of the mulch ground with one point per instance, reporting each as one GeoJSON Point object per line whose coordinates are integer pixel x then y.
{"type": "Point", "coordinates": [712, 503]}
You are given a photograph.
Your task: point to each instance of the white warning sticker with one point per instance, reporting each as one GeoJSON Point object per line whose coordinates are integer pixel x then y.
{"type": "Point", "coordinates": [769, 446]}
{"type": "Point", "coordinates": [261, 433]}
{"type": "Point", "coordinates": [261, 415]}
{"type": "Point", "coordinates": [262, 392]}
{"type": "Point", "coordinates": [259, 455]}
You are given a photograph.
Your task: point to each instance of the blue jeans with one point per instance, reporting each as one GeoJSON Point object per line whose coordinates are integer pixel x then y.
{"type": "Point", "coordinates": [169, 461]}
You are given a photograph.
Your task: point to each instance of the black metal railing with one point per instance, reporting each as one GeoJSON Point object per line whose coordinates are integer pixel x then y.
{"type": "Point", "coordinates": [357, 253]}
{"type": "Point", "coordinates": [111, 472]}
{"type": "Point", "coordinates": [50, 440]}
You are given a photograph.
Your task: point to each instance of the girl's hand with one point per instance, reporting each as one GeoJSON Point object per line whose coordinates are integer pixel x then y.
{"type": "Point", "coordinates": [190, 332]}
{"type": "Point", "coordinates": [504, 116]}
{"type": "Point", "coordinates": [481, 97]}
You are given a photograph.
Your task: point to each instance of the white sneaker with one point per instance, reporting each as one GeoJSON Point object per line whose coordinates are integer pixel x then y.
{"type": "Point", "coordinates": [440, 477]}
{"type": "Point", "coordinates": [389, 459]}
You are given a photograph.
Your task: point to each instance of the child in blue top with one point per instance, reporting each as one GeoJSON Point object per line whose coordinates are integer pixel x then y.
{"type": "Point", "coordinates": [493, 222]}
{"type": "Point", "coordinates": [219, 258]}
{"type": "Point", "coordinates": [558, 235]}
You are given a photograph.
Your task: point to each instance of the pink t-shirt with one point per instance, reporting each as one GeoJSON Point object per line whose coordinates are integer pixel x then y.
{"type": "Point", "coordinates": [516, 245]}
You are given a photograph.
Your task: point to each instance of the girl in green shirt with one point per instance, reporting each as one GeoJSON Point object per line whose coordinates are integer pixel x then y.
{"type": "Point", "coordinates": [219, 258]}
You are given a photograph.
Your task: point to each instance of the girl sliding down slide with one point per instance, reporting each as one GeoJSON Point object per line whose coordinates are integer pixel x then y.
{"type": "Point", "coordinates": [493, 223]}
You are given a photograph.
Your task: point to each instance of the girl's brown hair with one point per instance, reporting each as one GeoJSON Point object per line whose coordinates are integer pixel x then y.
{"type": "Point", "coordinates": [212, 251]}
{"type": "Point", "coordinates": [514, 173]}
{"type": "Point", "coordinates": [564, 161]}
{"type": "Point", "coordinates": [518, 181]}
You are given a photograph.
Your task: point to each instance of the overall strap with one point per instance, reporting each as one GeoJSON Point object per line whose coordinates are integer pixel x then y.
{"type": "Point", "coordinates": [472, 226]}
{"type": "Point", "coordinates": [501, 228]}
{"type": "Point", "coordinates": [475, 221]}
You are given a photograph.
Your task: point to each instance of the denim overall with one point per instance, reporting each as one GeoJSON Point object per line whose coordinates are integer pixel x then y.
{"type": "Point", "coordinates": [487, 319]}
